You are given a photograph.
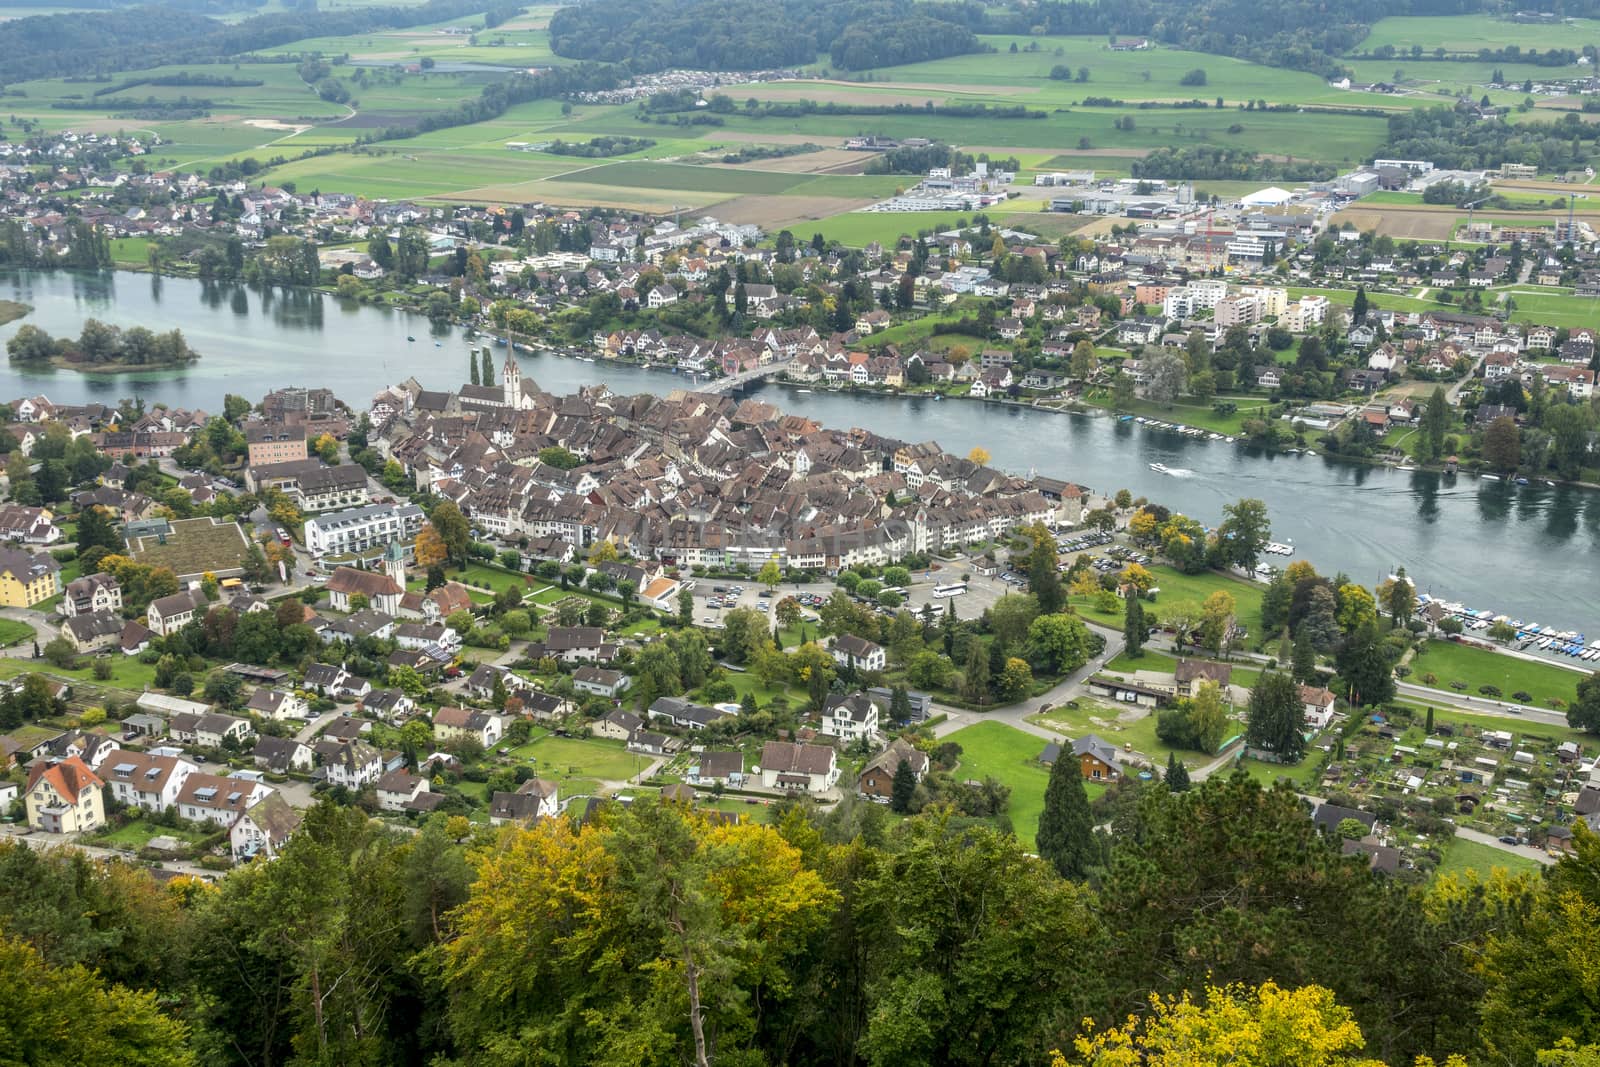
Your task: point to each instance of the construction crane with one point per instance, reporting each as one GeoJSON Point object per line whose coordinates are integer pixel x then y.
{"type": "Point", "coordinates": [1473, 207]}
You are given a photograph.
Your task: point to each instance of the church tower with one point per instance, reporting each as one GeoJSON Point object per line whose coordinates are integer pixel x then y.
{"type": "Point", "coordinates": [511, 380]}
{"type": "Point", "coordinates": [394, 564]}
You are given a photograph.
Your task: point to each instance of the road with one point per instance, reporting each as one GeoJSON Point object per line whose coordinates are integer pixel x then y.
{"type": "Point", "coordinates": [1538, 855]}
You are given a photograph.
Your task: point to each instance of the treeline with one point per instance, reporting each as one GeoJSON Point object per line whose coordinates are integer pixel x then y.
{"type": "Point", "coordinates": [648, 35]}
{"type": "Point", "coordinates": [212, 80]}
{"type": "Point", "coordinates": [599, 147]}
{"type": "Point", "coordinates": [752, 152]}
{"type": "Point", "coordinates": [102, 344]}
{"type": "Point", "coordinates": [87, 248]}
{"type": "Point", "coordinates": [789, 109]}
{"type": "Point", "coordinates": [151, 105]}
{"type": "Point", "coordinates": [1456, 139]}
{"type": "Point", "coordinates": [45, 46]}
{"type": "Point", "coordinates": [921, 159]}
{"type": "Point", "coordinates": [1226, 164]}
{"type": "Point", "coordinates": [1553, 57]}
{"type": "Point", "coordinates": [653, 934]}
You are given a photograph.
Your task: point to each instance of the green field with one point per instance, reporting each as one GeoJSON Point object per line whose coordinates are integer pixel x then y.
{"type": "Point", "coordinates": [13, 632]}
{"type": "Point", "coordinates": [126, 672]}
{"type": "Point", "coordinates": [561, 758]}
{"type": "Point", "coordinates": [1452, 662]}
{"type": "Point", "coordinates": [993, 749]}
{"type": "Point", "coordinates": [1470, 33]}
{"type": "Point", "coordinates": [1462, 856]}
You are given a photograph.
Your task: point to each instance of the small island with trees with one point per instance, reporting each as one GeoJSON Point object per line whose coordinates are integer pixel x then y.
{"type": "Point", "coordinates": [101, 347]}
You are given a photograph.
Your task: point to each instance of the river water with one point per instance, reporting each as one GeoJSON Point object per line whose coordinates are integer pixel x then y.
{"type": "Point", "coordinates": [1530, 551]}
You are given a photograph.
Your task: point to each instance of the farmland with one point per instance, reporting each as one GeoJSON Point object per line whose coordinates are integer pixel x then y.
{"type": "Point", "coordinates": [1470, 33]}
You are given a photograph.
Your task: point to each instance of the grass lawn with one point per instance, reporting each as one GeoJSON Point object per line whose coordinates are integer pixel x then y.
{"type": "Point", "coordinates": [749, 683]}
{"type": "Point", "coordinates": [559, 758]}
{"type": "Point", "coordinates": [13, 632]}
{"type": "Point", "coordinates": [194, 547]}
{"type": "Point", "coordinates": [126, 672]}
{"type": "Point", "coordinates": [1301, 775]}
{"type": "Point", "coordinates": [138, 833]}
{"type": "Point", "coordinates": [1462, 856]}
{"type": "Point", "coordinates": [485, 577]}
{"type": "Point", "coordinates": [1451, 662]}
{"type": "Point", "coordinates": [993, 749]}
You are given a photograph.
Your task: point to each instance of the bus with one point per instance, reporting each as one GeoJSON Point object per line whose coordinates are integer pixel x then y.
{"type": "Point", "coordinates": [942, 591]}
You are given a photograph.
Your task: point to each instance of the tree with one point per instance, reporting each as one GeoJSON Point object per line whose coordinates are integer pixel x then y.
{"type": "Point", "coordinates": [975, 678]}
{"type": "Point", "coordinates": [430, 549]}
{"type": "Point", "coordinates": [97, 528]}
{"type": "Point", "coordinates": [1216, 620]}
{"type": "Point", "coordinates": [1399, 597]}
{"type": "Point", "coordinates": [71, 1015]}
{"type": "Point", "coordinates": [1208, 717]}
{"type": "Point", "coordinates": [903, 788]}
{"type": "Point", "coordinates": [979, 454]}
{"type": "Point", "coordinates": [1016, 680]}
{"type": "Point", "coordinates": [1083, 360]}
{"type": "Point", "coordinates": [1133, 627]}
{"type": "Point", "coordinates": [1301, 1027]}
{"type": "Point", "coordinates": [771, 575]}
{"type": "Point", "coordinates": [1177, 776]}
{"type": "Point", "coordinates": [1044, 579]}
{"type": "Point", "coordinates": [1364, 667]}
{"type": "Point", "coordinates": [1356, 607]}
{"type": "Point", "coordinates": [1502, 444]}
{"type": "Point", "coordinates": [1305, 657]}
{"type": "Point", "coordinates": [1276, 718]}
{"type": "Point", "coordinates": [1122, 391]}
{"type": "Point", "coordinates": [1584, 712]}
{"type": "Point", "coordinates": [1358, 310]}
{"type": "Point", "coordinates": [1066, 826]}
{"type": "Point", "coordinates": [1059, 644]}
{"type": "Point", "coordinates": [685, 607]}
{"type": "Point", "coordinates": [1244, 532]}
{"type": "Point", "coordinates": [453, 529]}
{"type": "Point", "coordinates": [1169, 377]}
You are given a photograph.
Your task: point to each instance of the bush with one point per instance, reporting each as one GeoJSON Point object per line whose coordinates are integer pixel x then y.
{"type": "Point", "coordinates": [1522, 696]}
{"type": "Point", "coordinates": [1489, 690]}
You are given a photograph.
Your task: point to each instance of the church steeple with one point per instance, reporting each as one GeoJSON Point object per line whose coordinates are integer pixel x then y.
{"type": "Point", "coordinates": [511, 380]}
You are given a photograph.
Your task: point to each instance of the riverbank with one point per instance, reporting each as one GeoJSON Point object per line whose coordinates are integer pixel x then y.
{"type": "Point", "coordinates": [12, 310]}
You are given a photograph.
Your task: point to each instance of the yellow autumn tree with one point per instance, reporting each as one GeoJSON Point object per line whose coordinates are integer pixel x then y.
{"type": "Point", "coordinates": [603, 552]}
{"type": "Point", "coordinates": [979, 455]}
{"type": "Point", "coordinates": [430, 547]}
{"type": "Point", "coordinates": [1302, 1027]}
{"type": "Point", "coordinates": [1135, 575]}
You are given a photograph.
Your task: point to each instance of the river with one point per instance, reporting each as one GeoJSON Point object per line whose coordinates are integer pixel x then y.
{"type": "Point", "coordinates": [1529, 551]}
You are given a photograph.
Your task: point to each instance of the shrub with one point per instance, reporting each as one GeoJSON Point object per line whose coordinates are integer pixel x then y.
{"type": "Point", "coordinates": [1489, 690]}
{"type": "Point", "coordinates": [1522, 696]}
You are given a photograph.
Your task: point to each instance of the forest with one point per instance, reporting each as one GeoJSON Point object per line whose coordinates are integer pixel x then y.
{"type": "Point", "coordinates": [649, 35]}
{"type": "Point", "coordinates": [653, 934]}
{"type": "Point", "coordinates": [1454, 138]}
{"type": "Point", "coordinates": [92, 43]}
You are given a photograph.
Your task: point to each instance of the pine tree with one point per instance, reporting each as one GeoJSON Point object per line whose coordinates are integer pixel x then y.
{"type": "Point", "coordinates": [1066, 827]}
{"type": "Point", "coordinates": [472, 365]}
{"type": "Point", "coordinates": [487, 373]}
{"type": "Point", "coordinates": [975, 678]}
{"type": "Point", "coordinates": [903, 788]}
{"type": "Point", "coordinates": [1177, 774]}
{"type": "Point", "coordinates": [1305, 657]}
{"type": "Point", "coordinates": [899, 704]}
{"type": "Point", "coordinates": [1133, 628]}
{"type": "Point", "coordinates": [1428, 725]}
{"type": "Point", "coordinates": [1359, 310]}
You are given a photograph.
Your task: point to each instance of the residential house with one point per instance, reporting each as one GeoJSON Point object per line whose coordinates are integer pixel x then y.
{"type": "Point", "coordinates": [400, 790]}
{"type": "Point", "coordinates": [26, 579]}
{"type": "Point", "coordinates": [533, 799]}
{"type": "Point", "coordinates": [211, 730]}
{"type": "Point", "coordinates": [1097, 759]}
{"type": "Point", "coordinates": [798, 767]}
{"type": "Point", "coordinates": [213, 799]}
{"type": "Point", "coordinates": [850, 718]}
{"type": "Point", "coordinates": [857, 653]}
{"type": "Point", "coordinates": [599, 681]}
{"type": "Point", "coordinates": [91, 593]}
{"type": "Point", "coordinates": [353, 765]}
{"type": "Point", "coordinates": [169, 614]}
{"type": "Point", "coordinates": [64, 797]}
{"type": "Point", "coordinates": [717, 767]}
{"type": "Point", "coordinates": [281, 755]}
{"type": "Point", "coordinates": [383, 593]}
{"type": "Point", "coordinates": [1318, 703]}
{"type": "Point", "coordinates": [617, 725]}
{"type": "Point", "coordinates": [877, 777]}
{"type": "Point", "coordinates": [279, 704]}
{"type": "Point", "coordinates": [263, 829]}
{"type": "Point", "coordinates": [684, 714]}
{"type": "Point", "coordinates": [92, 632]}
{"type": "Point", "coordinates": [451, 723]}
{"type": "Point", "coordinates": [145, 780]}
{"type": "Point", "coordinates": [1189, 673]}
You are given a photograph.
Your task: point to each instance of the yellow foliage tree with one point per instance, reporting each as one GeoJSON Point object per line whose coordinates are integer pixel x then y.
{"type": "Point", "coordinates": [1135, 575]}
{"type": "Point", "coordinates": [603, 552]}
{"type": "Point", "coordinates": [980, 455]}
{"type": "Point", "coordinates": [430, 547]}
{"type": "Point", "coordinates": [1302, 1027]}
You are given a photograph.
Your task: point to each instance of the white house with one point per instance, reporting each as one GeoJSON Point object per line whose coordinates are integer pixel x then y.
{"type": "Point", "coordinates": [145, 780]}
{"type": "Point", "coordinates": [857, 653]}
{"type": "Point", "coordinates": [850, 718]}
{"type": "Point", "coordinates": [209, 798]}
{"type": "Point", "coordinates": [800, 768]}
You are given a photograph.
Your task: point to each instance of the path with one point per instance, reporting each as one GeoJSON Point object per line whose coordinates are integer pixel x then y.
{"type": "Point", "coordinates": [317, 725]}
{"type": "Point", "coordinates": [1016, 715]}
{"type": "Point", "coordinates": [1538, 855]}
